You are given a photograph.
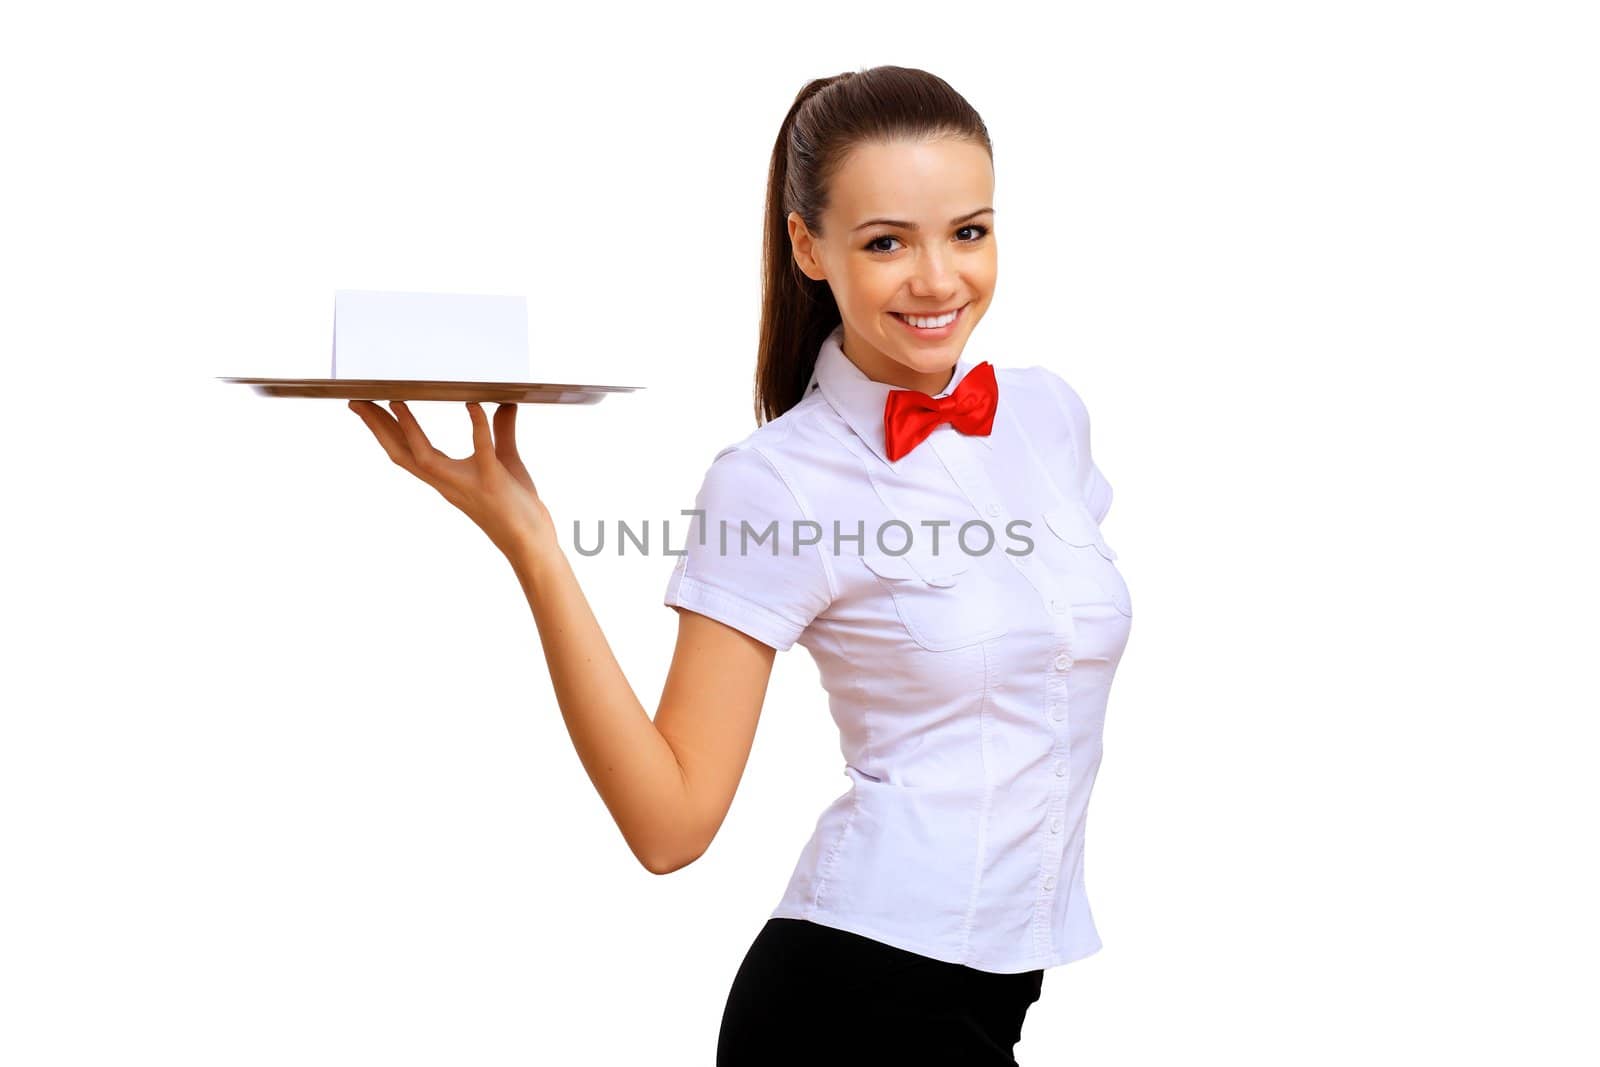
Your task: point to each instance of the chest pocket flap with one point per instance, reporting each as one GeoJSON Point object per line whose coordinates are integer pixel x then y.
{"type": "Point", "coordinates": [943, 600]}
{"type": "Point", "coordinates": [1072, 523]}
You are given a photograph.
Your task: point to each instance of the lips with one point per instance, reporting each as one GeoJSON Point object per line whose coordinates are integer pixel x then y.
{"type": "Point", "coordinates": [928, 314]}
{"type": "Point", "coordinates": [935, 333]}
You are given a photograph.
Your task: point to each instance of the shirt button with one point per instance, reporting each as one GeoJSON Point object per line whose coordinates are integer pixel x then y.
{"type": "Point", "coordinates": [1063, 661]}
{"type": "Point", "coordinates": [1061, 769]}
{"type": "Point", "coordinates": [994, 509]}
{"type": "Point", "coordinates": [1050, 883]}
{"type": "Point", "coordinates": [1059, 713]}
{"type": "Point", "coordinates": [1058, 606]}
{"type": "Point", "coordinates": [1055, 826]}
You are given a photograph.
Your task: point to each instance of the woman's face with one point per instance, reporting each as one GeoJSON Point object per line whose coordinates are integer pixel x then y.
{"type": "Point", "coordinates": [909, 229]}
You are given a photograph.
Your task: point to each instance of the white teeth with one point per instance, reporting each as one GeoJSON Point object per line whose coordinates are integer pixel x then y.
{"type": "Point", "coordinates": [924, 323]}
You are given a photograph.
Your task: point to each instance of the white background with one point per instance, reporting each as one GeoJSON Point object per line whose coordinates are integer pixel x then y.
{"type": "Point", "coordinates": [281, 775]}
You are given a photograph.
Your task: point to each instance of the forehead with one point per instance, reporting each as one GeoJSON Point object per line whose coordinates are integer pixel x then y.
{"type": "Point", "coordinates": [931, 181]}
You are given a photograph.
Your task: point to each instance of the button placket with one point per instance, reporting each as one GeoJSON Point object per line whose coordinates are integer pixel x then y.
{"type": "Point", "coordinates": [971, 480]}
{"type": "Point", "coordinates": [1049, 869]}
{"type": "Point", "coordinates": [1054, 842]}
{"type": "Point", "coordinates": [1056, 691]}
{"type": "Point", "coordinates": [1050, 861]}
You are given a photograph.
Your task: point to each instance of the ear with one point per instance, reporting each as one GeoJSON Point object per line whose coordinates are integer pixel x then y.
{"type": "Point", "coordinates": [805, 248]}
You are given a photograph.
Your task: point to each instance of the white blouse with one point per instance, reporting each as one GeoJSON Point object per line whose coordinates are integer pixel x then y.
{"type": "Point", "coordinates": [968, 680]}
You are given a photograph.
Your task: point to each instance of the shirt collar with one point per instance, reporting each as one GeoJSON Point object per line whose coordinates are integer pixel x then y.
{"type": "Point", "coordinates": [860, 400]}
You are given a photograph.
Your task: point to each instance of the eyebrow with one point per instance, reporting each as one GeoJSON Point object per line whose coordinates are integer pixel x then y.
{"type": "Point", "coordinates": [913, 226]}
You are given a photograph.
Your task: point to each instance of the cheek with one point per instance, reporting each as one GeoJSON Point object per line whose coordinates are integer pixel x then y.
{"type": "Point", "coordinates": [871, 291]}
{"type": "Point", "coordinates": [983, 273]}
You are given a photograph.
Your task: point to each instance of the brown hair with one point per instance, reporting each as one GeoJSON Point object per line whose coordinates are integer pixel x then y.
{"type": "Point", "coordinates": [828, 119]}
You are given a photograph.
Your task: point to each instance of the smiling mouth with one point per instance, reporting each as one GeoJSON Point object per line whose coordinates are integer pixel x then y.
{"type": "Point", "coordinates": [929, 314]}
{"type": "Point", "coordinates": [953, 315]}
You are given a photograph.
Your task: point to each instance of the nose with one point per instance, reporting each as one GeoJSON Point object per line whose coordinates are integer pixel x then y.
{"type": "Point", "coordinates": [935, 275]}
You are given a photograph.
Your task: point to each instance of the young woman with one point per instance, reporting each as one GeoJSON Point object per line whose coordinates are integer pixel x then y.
{"type": "Point", "coordinates": [928, 529]}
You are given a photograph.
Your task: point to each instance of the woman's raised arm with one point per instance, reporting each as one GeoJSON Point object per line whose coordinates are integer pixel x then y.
{"type": "Point", "coordinates": [668, 782]}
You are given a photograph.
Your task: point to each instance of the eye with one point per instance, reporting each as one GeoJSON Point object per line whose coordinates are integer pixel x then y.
{"type": "Point", "coordinates": [981, 231]}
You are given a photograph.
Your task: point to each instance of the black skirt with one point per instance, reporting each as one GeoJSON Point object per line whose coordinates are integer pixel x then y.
{"type": "Point", "coordinates": [807, 993]}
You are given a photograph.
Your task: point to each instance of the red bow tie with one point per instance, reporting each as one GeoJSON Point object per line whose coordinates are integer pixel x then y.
{"type": "Point", "coordinates": [910, 415]}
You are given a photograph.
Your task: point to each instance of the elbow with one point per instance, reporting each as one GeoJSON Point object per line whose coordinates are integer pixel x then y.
{"type": "Point", "coordinates": [659, 867]}
{"type": "Point", "coordinates": [672, 844]}
{"type": "Point", "coordinates": [665, 861]}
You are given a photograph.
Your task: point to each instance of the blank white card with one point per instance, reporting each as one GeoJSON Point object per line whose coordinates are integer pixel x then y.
{"type": "Point", "coordinates": [430, 336]}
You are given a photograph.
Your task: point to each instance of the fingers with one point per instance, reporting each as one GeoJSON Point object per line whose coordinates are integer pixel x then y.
{"type": "Point", "coordinates": [422, 451]}
{"type": "Point", "coordinates": [505, 444]}
{"type": "Point", "coordinates": [505, 433]}
{"type": "Point", "coordinates": [505, 426]}
{"type": "Point", "coordinates": [402, 438]}
{"type": "Point", "coordinates": [482, 442]}
{"type": "Point", "coordinates": [387, 431]}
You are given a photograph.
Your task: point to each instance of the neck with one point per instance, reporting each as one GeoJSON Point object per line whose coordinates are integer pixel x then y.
{"type": "Point", "coordinates": [886, 371]}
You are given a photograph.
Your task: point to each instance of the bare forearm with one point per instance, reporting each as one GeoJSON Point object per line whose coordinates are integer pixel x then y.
{"type": "Point", "coordinates": [629, 761]}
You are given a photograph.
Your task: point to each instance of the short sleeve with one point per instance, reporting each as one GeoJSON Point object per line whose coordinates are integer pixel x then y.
{"type": "Point", "coordinates": [740, 563]}
{"type": "Point", "coordinates": [1086, 473]}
